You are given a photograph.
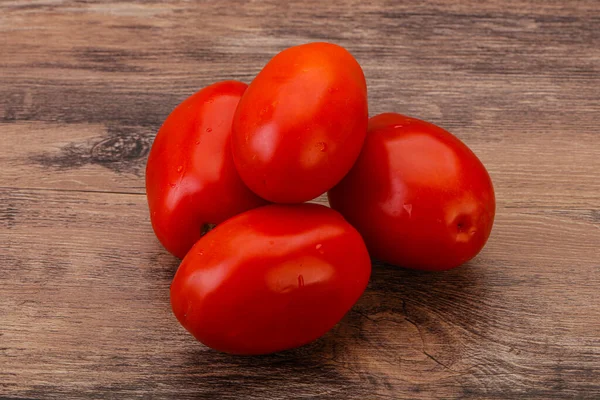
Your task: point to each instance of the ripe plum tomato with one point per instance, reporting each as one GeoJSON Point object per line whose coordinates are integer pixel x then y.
{"type": "Point", "coordinates": [270, 279]}
{"type": "Point", "coordinates": [191, 180]}
{"type": "Point", "coordinates": [301, 124]}
{"type": "Point", "coordinates": [418, 195]}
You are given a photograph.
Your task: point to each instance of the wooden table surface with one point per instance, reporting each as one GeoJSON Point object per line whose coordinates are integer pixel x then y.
{"type": "Point", "coordinates": [84, 285]}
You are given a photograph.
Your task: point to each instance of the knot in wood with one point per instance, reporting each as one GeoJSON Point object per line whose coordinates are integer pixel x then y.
{"type": "Point", "coordinates": [120, 148]}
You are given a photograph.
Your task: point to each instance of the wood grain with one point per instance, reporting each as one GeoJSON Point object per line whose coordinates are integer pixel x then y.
{"type": "Point", "coordinates": [84, 310]}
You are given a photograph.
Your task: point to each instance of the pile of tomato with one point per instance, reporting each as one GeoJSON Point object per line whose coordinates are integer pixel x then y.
{"type": "Point", "coordinates": [230, 171]}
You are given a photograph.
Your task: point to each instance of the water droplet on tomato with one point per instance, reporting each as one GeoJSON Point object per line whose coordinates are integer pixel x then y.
{"type": "Point", "coordinates": [319, 248]}
{"type": "Point", "coordinates": [172, 185]}
{"type": "Point", "coordinates": [180, 168]}
{"type": "Point", "coordinates": [208, 130]}
{"type": "Point", "coordinates": [300, 281]}
{"type": "Point", "coordinates": [197, 142]}
{"type": "Point", "coordinates": [322, 146]}
{"type": "Point", "coordinates": [408, 208]}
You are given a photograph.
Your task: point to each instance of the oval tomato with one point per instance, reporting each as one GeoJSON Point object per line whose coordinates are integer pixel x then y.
{"type": "Point", "coordinates": [191, 180]}
{"type": "Point", "coordinates": [417, 194]}
{"type": "Point", "coordinates": [270, 279]}
{"type": "Point", "coordinates": [301, 124]}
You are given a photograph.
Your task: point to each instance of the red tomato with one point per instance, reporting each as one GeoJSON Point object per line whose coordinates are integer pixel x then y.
{"type": "Point", "coordinates": [190, 177]}
{"type": "Point", "coordinates": [418, 195]}
{"type": "Point", "coordinates": [270, 279]}
{"type": "Point", "coordinates": [301, 124]}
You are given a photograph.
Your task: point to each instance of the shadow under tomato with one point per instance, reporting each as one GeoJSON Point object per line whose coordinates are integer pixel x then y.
{"type": "Point", "coordinates": [415, 321]}
{"type": "Point", "coordinates": [406, 322]}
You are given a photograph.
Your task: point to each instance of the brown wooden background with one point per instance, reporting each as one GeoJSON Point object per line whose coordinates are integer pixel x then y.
{"type": "Point", "coordinates": [84, 308]}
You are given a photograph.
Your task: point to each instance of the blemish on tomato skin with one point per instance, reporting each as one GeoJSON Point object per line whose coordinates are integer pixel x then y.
{"type": "Point", "coordinates": [462, 237]}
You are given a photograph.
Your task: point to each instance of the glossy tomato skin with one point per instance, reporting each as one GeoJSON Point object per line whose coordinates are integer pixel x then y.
{"type": "Point", "coordinates": [270, 279]}
{"type": "Point", "coordinates": [190, 176]}
{"type": "Point", "coordinates": [301, 124]}
{"type": "Point", "coordinates": [418, 195]}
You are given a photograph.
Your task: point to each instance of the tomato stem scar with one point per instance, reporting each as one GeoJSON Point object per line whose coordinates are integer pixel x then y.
{"type": "Point", "coordinates": [206, 228]}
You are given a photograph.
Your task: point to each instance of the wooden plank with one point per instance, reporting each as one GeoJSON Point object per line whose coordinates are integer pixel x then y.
{"type": "Point", "coordinates": [89, 157]}
{"type": "Point", "coordinates": [523, 86]}
{"type": "Point", "coordinates": [85, 311]}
